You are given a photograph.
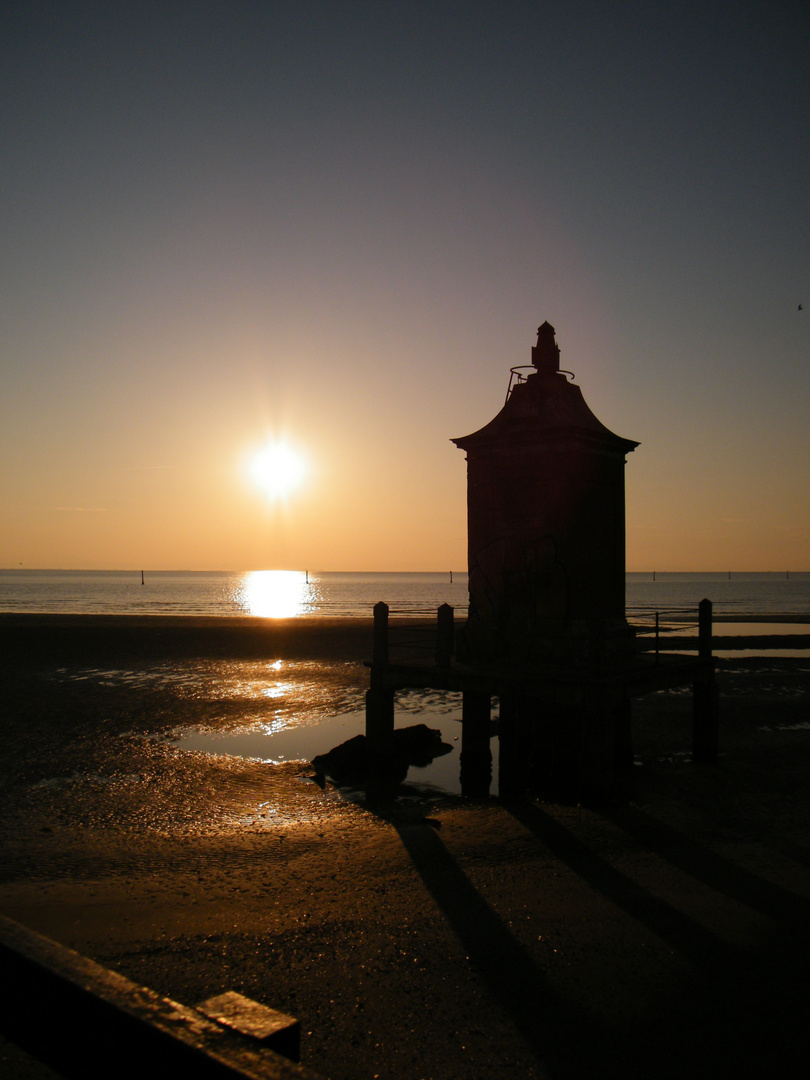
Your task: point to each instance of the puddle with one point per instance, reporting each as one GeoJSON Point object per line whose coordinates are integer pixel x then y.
{"type": "Point", "coordinates": [271, 743]}
{"type": "Point", "coordinates": [775, 654]}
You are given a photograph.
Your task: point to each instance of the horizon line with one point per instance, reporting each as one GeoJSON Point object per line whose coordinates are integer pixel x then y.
{"type": "Point", "coordinates": [294, 569]}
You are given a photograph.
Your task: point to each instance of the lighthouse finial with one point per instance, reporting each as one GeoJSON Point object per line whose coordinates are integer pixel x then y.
{"type": "Point", "coordinates": [546, 353]}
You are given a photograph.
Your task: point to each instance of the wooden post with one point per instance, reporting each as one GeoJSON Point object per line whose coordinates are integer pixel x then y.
{"type": "Point", "coordinates": [444, 636]}
{"type": "Point", "coordinates": [379, 733]}
{"type": "Point", "coordinates": [380, 653]}
{"type": "Point", "coordinates": [511, 760]}
{"type": "Point", "coordinates": [476, 755]}
{"type": "Point", "coordinates": [706, 722]}
{"type": "Point", "coordinates": [379, 705]}
{"type": "Point", "coordinates": [705, 629]}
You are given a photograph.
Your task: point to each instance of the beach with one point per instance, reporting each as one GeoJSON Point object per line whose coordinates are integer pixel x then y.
{"type": "Point", "coordinates": [423, 937]}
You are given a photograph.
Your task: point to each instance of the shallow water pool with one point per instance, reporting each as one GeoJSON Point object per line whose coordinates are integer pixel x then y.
{"type": "Point", "coordinates": [273, 743]}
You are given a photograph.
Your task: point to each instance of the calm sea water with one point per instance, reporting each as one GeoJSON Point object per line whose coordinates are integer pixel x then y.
{"type": "Point", "coordinates": [292, 593]}
{"type": "Point", "coordinates": [263, 593]}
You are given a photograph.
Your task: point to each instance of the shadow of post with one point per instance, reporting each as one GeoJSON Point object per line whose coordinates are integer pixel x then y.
{"type": "Point", "coordinates": [691, 940]}
{"type": "Point", "coordinates": [744, 1010]}
{"type": "Point", "coordinates": [788, 909]}
{"type": "Point", "coordinates": [554, 1028]}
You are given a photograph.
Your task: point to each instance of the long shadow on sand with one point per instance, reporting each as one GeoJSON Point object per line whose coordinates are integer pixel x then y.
{"type": "Point", "coordinates": [689, 938]}
{"type": "Point", "coordinates": [781, 905]}
{"type": "Point", "coordinates": [744, 1011]}
{"type": "Point", "coordinates": [553, 1027]}
{"type": "Point", "coordinates": [732, 1012]}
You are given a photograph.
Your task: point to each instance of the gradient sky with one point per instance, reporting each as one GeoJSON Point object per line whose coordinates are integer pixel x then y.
{"type": "Point", "coordinates": [342, 222]}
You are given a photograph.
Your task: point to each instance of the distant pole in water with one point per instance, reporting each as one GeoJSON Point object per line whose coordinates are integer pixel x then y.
{"type": "Point", "coordinates": [306, 572]}
{"type": "Point", "coordinates": [142, 581]}
{"type": "Point", "coordinates": [653, 575]}
{"type": "Point", "coordinates": [451, 577]}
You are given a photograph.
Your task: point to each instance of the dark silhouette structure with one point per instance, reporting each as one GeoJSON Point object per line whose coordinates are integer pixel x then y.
{"type": "Point", "coordinates": [545, 515]}
{"type": "Point", "coordinates": [546, 631]}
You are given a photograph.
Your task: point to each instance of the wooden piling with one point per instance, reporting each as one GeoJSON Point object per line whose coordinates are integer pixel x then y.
{"type": "Point", "coordinates": [706, 721]}
{"type": "Point", "coordinates": [444, 636]}
{"type": "Point", "coordinates": [380, 649]}
{"type": "Point", "coordinates": [476, 755]}
{"type": "Point", "coordinates": [379, 704]}
{"type": "Point", "coordinates": [705, 629]}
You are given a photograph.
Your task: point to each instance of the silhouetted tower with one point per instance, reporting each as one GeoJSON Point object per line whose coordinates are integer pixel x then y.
{"type": "Point", "coordinates": [546, 533]}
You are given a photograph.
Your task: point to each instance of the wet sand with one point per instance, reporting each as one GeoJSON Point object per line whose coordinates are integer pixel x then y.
{"type": "Point", "coordinates": [443, 938]}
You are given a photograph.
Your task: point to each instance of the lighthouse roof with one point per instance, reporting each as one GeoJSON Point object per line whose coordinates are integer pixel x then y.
{"type": "Point", "coordinates": [543, 408]}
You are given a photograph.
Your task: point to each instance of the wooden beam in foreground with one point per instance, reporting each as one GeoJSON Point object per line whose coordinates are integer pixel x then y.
{"type": "Point", "coordinates": [87, 1022]}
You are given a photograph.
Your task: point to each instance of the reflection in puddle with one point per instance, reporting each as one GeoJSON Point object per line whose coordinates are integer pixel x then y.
{"type": "Point", "coordinates": [303, 743]}
{"type": "Point", "coordinates": [274, 741]}
{"type": "Point", "coordinates": [229, 693]}
{"type": "Point", "coordinates": [775, 654]}
{"type": "Point", "coordinates": [281, 710]}
{"type": "Point", "coordinates": [758, 629]}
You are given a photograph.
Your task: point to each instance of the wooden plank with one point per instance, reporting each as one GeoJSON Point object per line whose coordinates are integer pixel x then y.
{"type": "Point", "coordinates": [275, 1029]}
{"type": "Point", "coordinates": [88, 1022]}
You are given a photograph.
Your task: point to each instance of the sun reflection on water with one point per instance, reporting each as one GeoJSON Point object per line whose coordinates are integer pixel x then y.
{"type": "Point", "coordinates": [275, 594]}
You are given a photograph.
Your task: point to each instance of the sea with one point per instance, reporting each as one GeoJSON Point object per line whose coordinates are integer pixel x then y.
{"type": "Point", "coordinates": [275, 711]}
{"type": "Point", "coordinates": [307, 594]}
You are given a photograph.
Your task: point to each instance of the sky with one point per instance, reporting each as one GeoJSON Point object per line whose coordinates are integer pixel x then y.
{"type": "Point", "coordinates": [337, 225]}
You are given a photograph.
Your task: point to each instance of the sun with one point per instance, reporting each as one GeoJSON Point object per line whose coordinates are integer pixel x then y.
{"type": "Point", "coordinates": [278, 469]}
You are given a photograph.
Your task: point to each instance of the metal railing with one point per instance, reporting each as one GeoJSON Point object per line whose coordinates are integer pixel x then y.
{"type": "Point", "coordinates": [438, 638]}
{"type": "Point", "coordinates": [671, 622]}
{"type": "Point", "coordinates": [654, 624]}
{"type": "Point", "coordinates": [516, 376]}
